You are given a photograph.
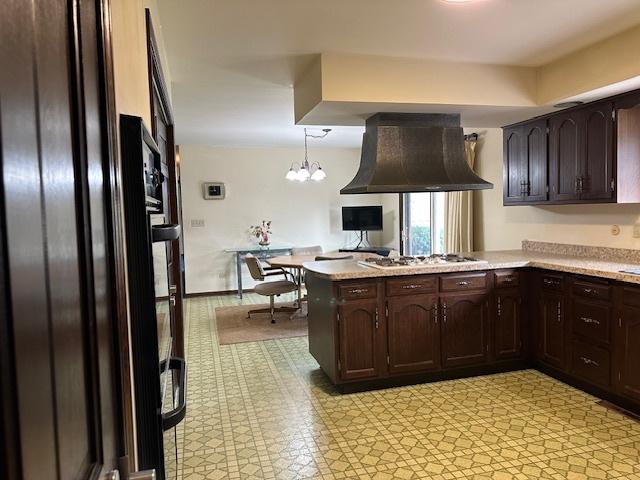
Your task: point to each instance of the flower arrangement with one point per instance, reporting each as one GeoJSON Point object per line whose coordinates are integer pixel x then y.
{"type": "Point", "coordinates": [262, 232]}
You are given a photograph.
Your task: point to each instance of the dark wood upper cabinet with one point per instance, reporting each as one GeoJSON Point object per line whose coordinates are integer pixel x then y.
{"type": "Point", "coordinates": [525, 163]}
{"type": "Point", "coordinates": [512, 172]}
{"type": "Point", "coordinates": [564, 157]}
{"type": "Point", "coordinates": [465, 328]}
{"type": "Point", "coordinates": [413, 333]}
{"type": "Point", "coordinates": [507, 329]}
{"type": "Point", "coordinates": [628, 361]}
{"type": "Point", "coordinates": [596, 178]}
{"type": "Point", "coordinates": [586, 154]}
{"type": "Point", "coordinates": [359, 339]}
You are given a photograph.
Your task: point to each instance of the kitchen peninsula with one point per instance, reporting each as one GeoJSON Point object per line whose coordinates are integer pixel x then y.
{"type": "Point", "coordinates": [569, 311]}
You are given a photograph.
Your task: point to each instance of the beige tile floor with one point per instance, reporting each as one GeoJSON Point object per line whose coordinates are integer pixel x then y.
{"type": "Point", "coordinates": [264, 410]}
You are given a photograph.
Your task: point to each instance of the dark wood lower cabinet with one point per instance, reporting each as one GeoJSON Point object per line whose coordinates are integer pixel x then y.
{"type": "Point", "coordinates": [551, 330]}
{"type": "Point", "coordinates": [628, 360]}
{"type": "Point", "coordinates": [359, 339]}
{"type": "Point", "coordinates": [507, 337]}
{"type": "Point", "coordinates": [465, 328]}
{"type": "Point", "coordinates": [379, 332]}
{"type": "Point", "coordinates": [413, 333]}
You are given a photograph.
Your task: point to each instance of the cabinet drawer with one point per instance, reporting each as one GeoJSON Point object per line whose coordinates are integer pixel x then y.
{"type": "Point", "coordinates": [591, 290]}
{"type": "Point", "coordinates": [354, 291]}
{"type": "Point", "coordinates": [592, 319]}
{"type": "Point", "coordinates": [507, 278]}
{"type": "Point", "coordinates": [591, 363]}
{"type": "Point", "coordinates": [551, 282]}
{"type": "Point", "coordinates": [468, 281]}
{"type": "Point", "coordinates": [412, 285]}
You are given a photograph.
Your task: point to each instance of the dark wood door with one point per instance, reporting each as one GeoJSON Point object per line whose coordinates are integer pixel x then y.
{"type": "Point", "coordinates": [596, 177]}
{"type": "Point", "coordinates": [508, 324]}
{"type": "Point", "coordinates": [564, 156]}
{"type": "Point", "coordinates": [413, 333]}
{"type": "Point", "coordinates": [628, 358]}
{"type": "Point", "coordinates": [513, 173]}
{"type": "Point", "coordinates": [465, 329]}
{"type": "Point", "coordinates": [60, 416]}
{"type": "Point", "coordinates": [534, 163]}
{"type": "Point", "coordinates": [551, 329]}
{"type": "Point", "coordinates": [359, 339]}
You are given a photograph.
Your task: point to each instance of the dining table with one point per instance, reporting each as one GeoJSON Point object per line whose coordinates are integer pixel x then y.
{"type": "Point", "coordinates": [296, 263]}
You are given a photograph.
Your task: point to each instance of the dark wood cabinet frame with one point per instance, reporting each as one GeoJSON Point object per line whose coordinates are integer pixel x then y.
{"type": "Point", "coordinates": [158, 89]}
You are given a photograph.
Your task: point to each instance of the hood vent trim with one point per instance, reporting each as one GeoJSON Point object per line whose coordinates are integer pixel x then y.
{"type": "Point", "coordinates": [413, 152]}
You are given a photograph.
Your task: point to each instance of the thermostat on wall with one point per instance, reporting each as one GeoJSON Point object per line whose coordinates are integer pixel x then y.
{"type": "Point", "coordinates": [213, 190]}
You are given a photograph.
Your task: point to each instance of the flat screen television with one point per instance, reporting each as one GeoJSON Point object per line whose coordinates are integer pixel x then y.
{"type": "Point", "coordinates": [362, 218]}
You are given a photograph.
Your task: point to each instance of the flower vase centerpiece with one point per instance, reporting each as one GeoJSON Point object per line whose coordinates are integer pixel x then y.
{"type": "Point", "coordinates": [262, 232]}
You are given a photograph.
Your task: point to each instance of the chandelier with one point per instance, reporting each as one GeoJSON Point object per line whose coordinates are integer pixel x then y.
{"type": "Point", "coordinates": [308, 171]}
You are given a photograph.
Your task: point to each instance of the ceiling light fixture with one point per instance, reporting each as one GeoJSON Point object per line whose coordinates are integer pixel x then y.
{"type": "Point", "coordinates": [308, 172]}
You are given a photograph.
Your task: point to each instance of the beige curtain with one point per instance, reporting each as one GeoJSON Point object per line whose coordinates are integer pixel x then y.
{"type": "Point", "coordinates": [458, 208]}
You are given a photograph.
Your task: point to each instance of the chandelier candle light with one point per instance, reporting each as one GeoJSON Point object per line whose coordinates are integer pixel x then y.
{"type": "Point", "coordinates": [306, 171]}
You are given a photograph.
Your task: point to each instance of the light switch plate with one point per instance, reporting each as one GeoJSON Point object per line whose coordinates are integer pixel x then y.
{"type": "Point", "coordinates": [636, 230]}
{"type": "Point", "coordinates": [197, 222]}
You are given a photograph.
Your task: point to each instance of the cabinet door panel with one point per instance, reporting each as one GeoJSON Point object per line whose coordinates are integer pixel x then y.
{"type": "Point", "coordinates": [513, 176]}
{"type": "Point", "coordinates": [551, 330]}
{"type": "Point", "coordinates": [564, 156]}
{"type": "Point", "coordinates": [414, 334]}
{"type": "Point", "coordinates": [508, 325]}
{"type": "Point", "coordinates": [628, 346]}
{"type": "Point", "coordinates": [464, 330]}
{"type": "Point", "coordinates": [535, 161]}
{"type": "Point", "coordinates": [358, 339]}
{"type": "Point", "coordinates": [597, 170]}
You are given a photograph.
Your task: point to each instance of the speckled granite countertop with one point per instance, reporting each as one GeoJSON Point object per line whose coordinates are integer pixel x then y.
{"type": "Point", "coordinates": [593, 261]}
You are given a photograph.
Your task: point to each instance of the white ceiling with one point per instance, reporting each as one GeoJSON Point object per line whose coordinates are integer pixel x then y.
{"type": "Point", "coordinates": [232, 63]}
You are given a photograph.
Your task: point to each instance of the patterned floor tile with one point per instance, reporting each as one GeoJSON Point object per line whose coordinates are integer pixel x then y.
{"type": "Point", "coordinates": [264, 410]}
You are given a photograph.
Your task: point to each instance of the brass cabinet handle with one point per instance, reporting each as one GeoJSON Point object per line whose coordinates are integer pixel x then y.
{"type": "Point", "coordinates": [588, 361]}
{"type": "Point", "coordinates": [444, 313]}
{"type": "Point", "coordinates": [549, 281]}
{"type": "Point", "coordinates": [463, 284]}
{"type": "Point", "coordinates": [435, 312]}
{"type": "Point", "coordinates": [559, 311]}
{"type": "Point", "coordinates": [377, 324]}
{"type": "Point", "coordinates": [590, 320]}
{"type": "Point", "coordinates": [508, 279]}
{"type": "Point", "coordinates": [411, 287]}
{"type": "Point", "coordinates": [590, 290]}
{"type": "Point", "coordinates": [499, 306]}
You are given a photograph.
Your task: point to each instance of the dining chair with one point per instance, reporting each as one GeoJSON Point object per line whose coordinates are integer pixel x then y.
{"type": "Point", "coordinates": [269, 289]}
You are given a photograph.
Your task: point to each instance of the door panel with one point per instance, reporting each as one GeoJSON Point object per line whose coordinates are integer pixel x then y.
{"type": "Point", "coordinates": [564, 157]}
{"type": "Point", "coordinates": [58, 361]}
{"type": "Point", "coordinates": [552, 338]}
{"type": "Point", "coordinates": [629, 355]}
{"type": "Point", "coordinates": [414, 336]}
{"type": "Point", "coordinates": [465, 330]}
{"type": "Point", "coordinates": [359, 327]}
{"type": "Point", "coordinates": [513, 174]}
{"type": "Point", "coordinates": [508, 325]}
{"type": "Point", "coordinates": [598, 157]}
{"type": "Point", "coordinates": [535, 161]}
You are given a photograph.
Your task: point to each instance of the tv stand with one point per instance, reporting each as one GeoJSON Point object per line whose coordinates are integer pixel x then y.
{"type": "Point", "coordinates": [383, 251]}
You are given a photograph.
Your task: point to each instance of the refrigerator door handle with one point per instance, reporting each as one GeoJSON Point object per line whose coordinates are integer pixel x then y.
{"type": "Point", "coordinates": [175, 416]}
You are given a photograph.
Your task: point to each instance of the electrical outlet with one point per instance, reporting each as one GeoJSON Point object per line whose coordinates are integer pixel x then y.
{"type": "Point", "coordinates": [197, 223]}
{"type": "Point", "coordinates": [615, 230]}
{"type": "Point", "coordinates": [636, 230]}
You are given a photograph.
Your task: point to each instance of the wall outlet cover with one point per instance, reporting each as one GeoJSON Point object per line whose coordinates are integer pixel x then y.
{"type": "Point", "coordinates": [197, 223]}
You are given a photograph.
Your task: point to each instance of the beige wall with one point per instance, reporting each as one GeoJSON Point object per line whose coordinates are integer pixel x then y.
{"type": "Point", "coordinates": [302, 214]}
{"type": "Point", "coordinates": [130, 56]}
{"type": "Point", "coordinates": [498, 227]}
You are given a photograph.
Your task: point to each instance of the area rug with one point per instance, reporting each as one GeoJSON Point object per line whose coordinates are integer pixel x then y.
{"type": "Point", "coordinates": [234, 326]}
